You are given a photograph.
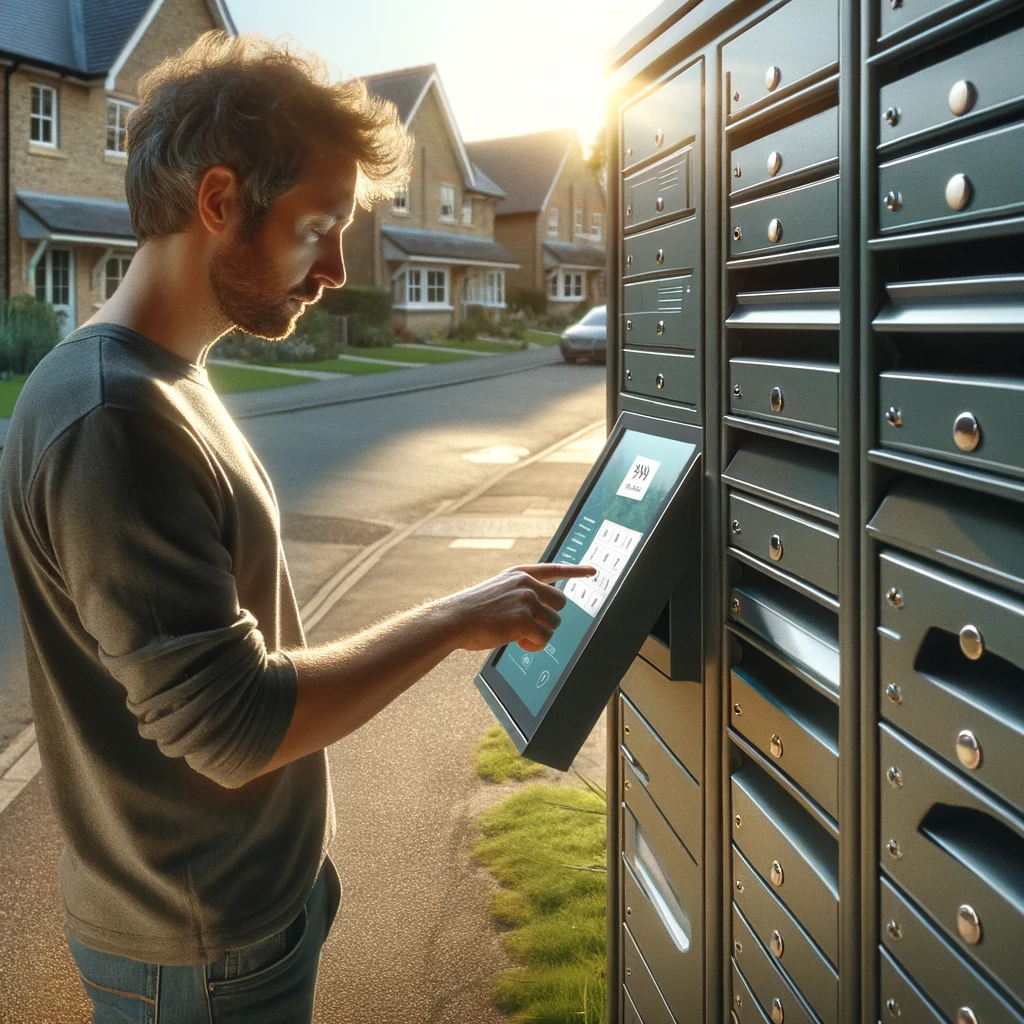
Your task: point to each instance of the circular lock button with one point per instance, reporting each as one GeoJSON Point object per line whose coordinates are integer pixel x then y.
{"type": "Point", "coordinates": [958, 192]}
{"type": "Point", "coordinates": [735, 605]}
{"type": "Point", "coordinates": [971, 642]}
{"type": "Point", "coordinates": [968, 924]}
{"type": "Point", "coordinates": [778, 1013]}
{"type": "Point", "coordinates": [893, 1007]}
{"type": "Point", "coordinates": [735, 526]}
{"type": "Point", "coordinates": [892, 116]}
{"type": "Point", "coordinates": [893, 201]}
{"type": "Point", "coordinates": [776, 945]}
{"type": "Point", "coordinates": [895, 777]}
{"type": "Point", "coordinates": [965, 1015]}
{"type": "Point", "coordinates": [968, 749]}
{"type": "Point", "coordinates": [893, 416]}
{"type": "Point", "coordinates": [775, 230]}
{"type": "Point", "coordinates": [775, 745]}
{"type": "Point", "coordinates": [775, 400]}
{"type": "Point", "coordinates": [659, 137]}
{"type": "Point", "coordinates": [894, 693]}
{"type": "Point", "coordinates": [777, 875]}
{"type": "Point", "coordinates": [737, 234]}
{"type": "Point", "coordinates": [894, 850]}
{"type": "Point", "coordinates": [659, 203]}
{"type": "Point", "coordinates": [659, 381]}
{"type": "Point", "coordinates": [772, 77]}
{"type": "Point", "coordinates": [660, 328]}
{"type": "Point", "coordinates": [738, 821]}
{"type": "Point", "coordinates": [774, 163]}
{"type": "Point", "coordinates": [962, 97]}
{"type": "Point", "coordinates": [775, 547]}
{"type": "Point", "coordinates": [894, 598]}
{"type": "Point", "coordinates": [894, 930]}
{"type": "Point", "coordinates": [659, 257]}
{"type": "Point", "coordinates": [966, 432]}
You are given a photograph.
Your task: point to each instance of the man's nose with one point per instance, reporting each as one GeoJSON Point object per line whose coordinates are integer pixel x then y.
{"type": "Point", "coordinates": [330, 268]}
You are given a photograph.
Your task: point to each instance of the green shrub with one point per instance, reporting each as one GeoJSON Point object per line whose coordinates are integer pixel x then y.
{"type": "Point", "coordinates": [370, 304]}
{"type": "Point", "coordinates": [528, 300]}
{"type": "Point", "coordinates": [28, 330]}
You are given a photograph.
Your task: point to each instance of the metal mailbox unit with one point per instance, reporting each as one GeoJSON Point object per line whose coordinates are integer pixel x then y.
{"type": "Point", "coordinates": [816, 800]}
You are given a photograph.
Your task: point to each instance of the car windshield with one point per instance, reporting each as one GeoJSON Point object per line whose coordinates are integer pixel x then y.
{"type": "Point", "coordinates": [597, 317]}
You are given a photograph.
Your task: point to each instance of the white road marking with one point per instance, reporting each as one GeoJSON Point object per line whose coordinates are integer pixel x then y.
{"type": "Point", "coordinates": [498, 455]}
{"type": "Point", "coordinates": [483, 543]}
{"type": "Point", "coordinates": [479, 525]}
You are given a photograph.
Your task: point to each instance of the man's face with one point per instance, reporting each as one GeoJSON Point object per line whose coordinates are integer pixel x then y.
{"type": "Point", "coordinates": [264, 285]}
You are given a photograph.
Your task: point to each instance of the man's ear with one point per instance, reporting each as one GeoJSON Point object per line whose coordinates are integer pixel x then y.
{"type": "Point", "coordinates": [218, 207]}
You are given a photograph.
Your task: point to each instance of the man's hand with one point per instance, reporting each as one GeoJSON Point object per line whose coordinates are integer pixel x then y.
{"type": "Point", "coordinates": [518, 605]}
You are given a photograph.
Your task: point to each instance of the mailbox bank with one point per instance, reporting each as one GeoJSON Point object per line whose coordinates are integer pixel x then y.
{"type": "Point", "coordinates": [817, 261]}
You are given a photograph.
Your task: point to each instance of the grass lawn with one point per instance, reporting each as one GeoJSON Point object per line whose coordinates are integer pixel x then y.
{"type": "Point", "coordinates": [9, 391]}
{"type": "Point", "coordinates": [339, 366]}
{"type": "Point", "coordinates": [480, 345]}
{"type": "Point", "coordinates": [546, 846]}
{"type": "Point", "coordinates": [419, 354]}
{"type": "Point", "coordinates": [229, 380]}
{"type": "Point", "coordinates": [497, 758]}
{"type": "Point", "coordinates": [541, 337]}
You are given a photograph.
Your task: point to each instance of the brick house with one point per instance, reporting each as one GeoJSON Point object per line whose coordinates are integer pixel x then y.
{"type": "Point", "coordinates": [433, 246]}
{"type": "Point", "coordinates": [552, 218]}
{"type": "Point", "coordinates": [68, 76]}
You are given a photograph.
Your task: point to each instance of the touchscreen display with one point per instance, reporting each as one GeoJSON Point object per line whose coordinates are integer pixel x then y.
{"type": "Point", "coordinates": [620, 510]}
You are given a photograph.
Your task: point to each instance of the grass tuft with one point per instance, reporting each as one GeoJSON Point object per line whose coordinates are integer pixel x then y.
{"type": "Point", "coordinates": [546, 846]}
{"type": "Point", "coordinates": [230, 380]}
{"type": "Point", "coordinates": [497, 758]}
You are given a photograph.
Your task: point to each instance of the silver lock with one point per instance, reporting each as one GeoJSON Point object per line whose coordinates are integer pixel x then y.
{"type": "Point", "coordinates": [965, 1015]}
{"type": "Point", "coordinates": [736, 96]}
{"type": "Point", "coordinates": [659, 257]}
{"type": "Point", "coordinates": [737, 709]}
{"type": "Point", "coordinates": [966, 432]}
{"type": "Point", "coordinates": [958, 192]}
{"type": "Point", "coordinates": [629, 210]}
{"type": "Point", "coordinates": [894, 597]}
{"type": "Point", "coordinates": [775, 547]}
{"type": "Point", "coordinates": [739, 886]}
{"type": "Point", "coordinates": [968, 924]}
{"type": "Point", "coordinates": [775, 745]}
{"type": "Point", "coordinates": [774, 230]}
{"type": "Point", "coordinates": [971, 642]}
{"type": "Point", "coordinates": [629, 260]}
{"type": "Point", "coordinates": [736, 606]}
{"type": "Point", "coordinates": [738, 821]}
{"type": "Point", "coordinates": [894, 693]}
{"type": "Point", "coordinates": [961, 97]}
{"type": "Point", "coordinates": [893, 201]}
{"type": "Point", "coordinates": [659, 381]}
{"type": "Point", "coordinates": [775, 399]}
{"type": "Point", "coordinates": [774, 163]}
{"type": "Point", "coordinates": [778, 1014]}
{"type": "Point", "coordinates": [738, 999]}
{"type": "Point", "coordinates": [776, 945]}
{"type": "Point", "coordinates": [659, 203]}
{"type": "Point", "coordinates": [894, 416]}
{"type": "Point", "coordinates": [895, 777]}
{"type": "Point", "coordinates": [737, 390]}
{"type": "Point", "coordinates": [627, 785]}
{"type": "Point", "coordinates": [894, 849]}
{"type": "Point", "coordinates": [777, 875]}
{"type": "Point", "coordinates": [892, 116]}
{"type": "Point", "coordinates": [629, 151]}
{"type": "Point", "coordinates": [737, 234]}
{"type": "Point", "coordinates": [890, 1004]}
{"type": "Point", "coordinates": [736, 526]}
{"type": "Point", "coordinates": [894, 930]}
{"type": "Point", "coordinates": [629, 325]}
{"type": "Point", "coordinates": [661, 328]}
{"type": "Point", "coordinates": [629, 375]}
{"type": "Point", "coordinates": [737, 947]}
{"type": "Point", "coordinates": [659, 137]}
{"type": "Point", "coordinates": [772, 77]}
{"type": "Point", "coordinates": [968, 749]}
{"type": "Point", "coordinates": [736, 172]}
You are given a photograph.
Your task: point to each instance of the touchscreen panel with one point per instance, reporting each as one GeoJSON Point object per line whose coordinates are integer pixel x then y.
{"type": "Point", "coordinates": [622, 507]}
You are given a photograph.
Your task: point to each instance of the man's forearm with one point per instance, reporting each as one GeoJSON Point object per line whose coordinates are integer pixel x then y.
{"type": "Point", "coordinates": [342, 685]}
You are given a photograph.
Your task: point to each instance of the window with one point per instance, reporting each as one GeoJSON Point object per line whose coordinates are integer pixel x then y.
{"type": "Point", "coordinates": [53, 282]}
{"type": "Point", "coordinates": [553, 289]}
{"type": "Point", "coordinates": [448, 202]}
{"type": "Point", "coordinates": [117, 267]}
{"type": "Point", "coordinates": [577, 286]}
{"type": "Point", "coordinates": [414, 291]}
{"type": "Point", "coordinates": [569, 285]}
{"type": "Point", "coordinates": [422, 288]}
{"type": "Point", "coordinates": [596, 220]}
{"type": "Point", "coordinates": [117, 118]}
{"type": "Point", "coordinates": [400, 202]}
{"type": "Point", "coordinates": [485, 288]}
{"type": "Point", "coordinates": [467, 211]}
{"type": "Point", "coordinates": [553, 221]}
{"type": "Point", "coordinates": [435, 287]}
{"type": "Point", "coordinates": [43, 123]}
{"type": "Point", "coordinates": [577, 220]}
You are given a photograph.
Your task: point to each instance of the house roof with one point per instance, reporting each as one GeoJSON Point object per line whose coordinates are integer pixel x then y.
{"type": "Point", "coordinates": [524, 166]}
{"type": "Point", "coordinates": [485, 185]}
{"type": "Point", "coordinates": [444, 246]}
{"type": "Point", "coordinates": [84, 37]}
{"type": "Point", "coordinates": [568, 255]}
{"type": "Point", "coordinates": [44, 215]}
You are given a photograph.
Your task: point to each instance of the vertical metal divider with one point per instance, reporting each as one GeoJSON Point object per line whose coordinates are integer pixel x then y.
{"type": "Point", "coordinates": [613, 359]}
{"type": "Point", "coordinates": [868, 292]}
{"type": "Point", "coordinates": [849, 514]}
{"type": "Point", "coordinates": [716, 877]}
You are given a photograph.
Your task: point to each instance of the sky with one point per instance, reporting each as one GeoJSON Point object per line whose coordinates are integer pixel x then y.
{"type": "Point", "coordinates": [508, 67]}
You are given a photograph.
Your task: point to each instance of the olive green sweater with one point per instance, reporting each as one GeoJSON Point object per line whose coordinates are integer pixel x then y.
{"type": "Point", "coordinates": [143, 536]}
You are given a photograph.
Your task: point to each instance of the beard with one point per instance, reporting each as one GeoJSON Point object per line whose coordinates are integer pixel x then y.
{"type": "Point", "coordinates": [252, 297]}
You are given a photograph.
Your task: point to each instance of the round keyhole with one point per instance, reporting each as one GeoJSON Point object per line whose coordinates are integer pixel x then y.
{"type": "Point", "coordinates": [775, 547]}
{"type": "Point", "coordinates": [659, 381]}
{"type": "Point", "coordinates": [775, 399]}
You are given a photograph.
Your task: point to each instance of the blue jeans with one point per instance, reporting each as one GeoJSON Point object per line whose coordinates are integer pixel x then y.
{"type": "Point", "coordinates": [268, 982]}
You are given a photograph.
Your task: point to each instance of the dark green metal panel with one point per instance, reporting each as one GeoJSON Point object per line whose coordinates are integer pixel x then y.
{"type": "Point", "coordinates": [744, 1007]}
{"type": "Point", "coordinates": [800, 39]}
{"type": "Point", "coordinates": [803, 479]}
{"type": "Point", "coordinates": [660, 314]}
{"type": "Point", "coordinates": [794, 219]}
{"type": "Point", "coordinates": [647, 999]}
{"type": "Point", "coordinates": [900, 998]}
{"type": "Point", "coordinates": [672, 247]}
{"type": "Point", "coordinates": [668, 116]}
{"type": "Point", "coordinates": [898, 16]}
{"type": "Point", "coordinates": [789, 151]}
{"type": "Point", "coordinates": [786, 940]}
{"type": "Point", "coordinates": [662, 191]}
{"type": "Point", "coordinates": [673, 377]}
{"type": "Point", "coordinates": [801, 394]}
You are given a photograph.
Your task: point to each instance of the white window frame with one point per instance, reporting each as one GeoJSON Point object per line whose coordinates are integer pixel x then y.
{"type": "Point", "coordinates": [553, 222]}
{"type": "Point", "coordinates": [568, 286]}
{"type": "Point", "coordinates": [40, 90]}
{"type": "Point", "coordinates": [467, 210]}
{"type": "Point", "coordinates": [485, 288]}
{"type": "Point", "coordinates": [597, 226]}
{"type": "Point", "coordinates": [577, 220]}
{"type": "Point", "coordinates": [121, 108]}
{"type": "Point", "coordinates": [553, 285]}
{"type": "Point", "coordinates": [445, 192]}
{"type": "Point", "coordinates": [415, 285]}
{"type": "Point", "coordinates": [43, 285]}
{"type": "Point", "coordinates": [120, 266]}
{"type": "Point", "coordinates": [400, 203]}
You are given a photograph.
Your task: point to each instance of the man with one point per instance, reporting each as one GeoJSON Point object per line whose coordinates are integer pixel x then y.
{"type": "Point", "coordinates": [181, 719]}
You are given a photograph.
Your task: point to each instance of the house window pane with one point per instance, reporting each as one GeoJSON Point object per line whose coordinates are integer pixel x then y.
{"type": "Point", "coordinates": [400, 203]}
{"type": "Point", "coordinates": [41, 295]}
{"type": "Point", "coordinates": [447, 202]}
{"type": "Point", "coordinates": [577, 290]}
{"type": "Point", "coordinates": [597, 221]}
{"type": "Point", "coordinates": [117, 119]}
{"type": "Point", "coordinates": [435, 286]}
{"type": "Point", "coordinates": [577, 220]}
{"type": "Point", "coordinates": [43, 119]}
{"type": "Point", "coordinates": [61, 276]}
{"type": "Point", "coordinates": [415, 289]}
{"type": "Point", "coordinates": [567, 286]}
{"type": "Point", "coordinates": [117, 267]}
{"type": "Point", "coordinates": [467, 211]}
{"type": "Point", "coordinates": [553, 288]}
{"type": "Point", "coordinates": [553, 221]}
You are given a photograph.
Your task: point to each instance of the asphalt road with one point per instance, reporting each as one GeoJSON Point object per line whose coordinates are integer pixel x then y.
{"type": "Point", "coordinates": [373, 496]}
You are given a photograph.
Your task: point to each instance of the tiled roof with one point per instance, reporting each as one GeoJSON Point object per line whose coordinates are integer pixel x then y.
{"type": "Point", "coordinates": [524, 166]}
{"type": "Point", "coordinates": [569, 255]}
{"type": "Point", "coordinates": [42, 214]}
{"type": "Point", "coordinates": [485, 185]}
{"type": "Point", "coordinates": [402, 243]}
{"type": "Point", "coordinates": [402, 87]}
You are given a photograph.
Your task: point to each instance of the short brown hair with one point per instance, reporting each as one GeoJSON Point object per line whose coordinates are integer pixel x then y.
{"type": "Point", "coordinates": [261, 109]}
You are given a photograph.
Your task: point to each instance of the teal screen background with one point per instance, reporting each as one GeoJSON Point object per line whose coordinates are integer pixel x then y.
{"type": "Point", "coordinates": [536, 676]}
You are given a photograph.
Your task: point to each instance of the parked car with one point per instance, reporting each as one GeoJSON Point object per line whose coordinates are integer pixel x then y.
{"type": "Point", "coordinates": [586, 339]}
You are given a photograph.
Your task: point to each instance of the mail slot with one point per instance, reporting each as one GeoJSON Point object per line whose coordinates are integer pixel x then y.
{"type": "Point", "coordinates": [670, 376]}
{"type": "Point", "coordinates": [774, 993]}
{"type": "Point", "coordinates": [804, 633]}
{"type": "Point", "coordinates": [648, 1002]}
{"type": "Point", "coordinates": [791, 542]}
{"type": "Point", "coordinates": [964, 419]}
{"type": "Point", "coordinates": [795, 43]}
{"type": "Point", "coordinates": [899, 997]}
{"type": "Point", "coordinates": [669, 115]}
{"type": "Point", "coordinates": [649, 764]}
{"type": "Point", "coordinates": [790, 850]}
{"type": "Point", "coordinates": [670, 247]}
{"type": "Point", "coordinates": [666, 189]}
{"type": "Point", "coordinates": [801, 217]}
{"type": "Point", "coordinates": [792, 150]}
{"type": "Point", "coordinates": [960, 181]}
{"type": "Point", "coordinates": [662, 313]}
{"type": "Point", "coordinates": [944, 976]}
{"type": "Point", "coordinates": [800, 394]}
{"type": "Point", "coordinates": [794, 726]}
{"type": "Point", "coordinates": [957, 853]}
{"type": "Point", "coordinates": [786, 940]}
{"type": "Point", "coordinates": [951, 669]}
{"type": "Point", "coordinates": [968, 85]}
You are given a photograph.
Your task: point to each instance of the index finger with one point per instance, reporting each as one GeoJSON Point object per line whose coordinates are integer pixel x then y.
{"type": "Point", "coordinates": [548, 572]}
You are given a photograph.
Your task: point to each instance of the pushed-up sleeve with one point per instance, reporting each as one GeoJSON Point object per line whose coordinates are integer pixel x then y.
{"type": "Point", "coordinates": [133, 511]}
